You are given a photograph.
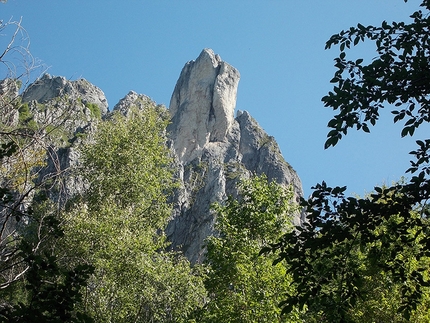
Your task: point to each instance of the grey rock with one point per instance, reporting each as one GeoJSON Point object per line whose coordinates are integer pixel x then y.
{"type": "Point", "coordinates": [202, 105]}
{"type": "Point", "coordinates": [214, 150]}
{"type": "Point", "coordinates": [8, 89]}
{"type": "Point", "coordinates": [8, 93]}
{"type": "Point", "coordinates": [132, 99]}
{"type": "Point", "coordinates": [70, 110]}
{"type": "Point", "coordinates": [48, 87]}
{"type": "Point", "coordinates": [261, 154]}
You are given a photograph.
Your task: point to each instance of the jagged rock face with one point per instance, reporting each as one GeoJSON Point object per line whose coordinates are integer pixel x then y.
{"type": "Point", "coordinates": [75, 106]}
{"type": "Point", "coordinates": [261, 154]}
{"type": "Point", "coordinates": [48, 87]}
{"type": "Point", "coordinates": [213, 150]}
{"type": "Point", "coordinates": [132, 99]}
{"type": "Point", "coordinates": [72, 109]}
{"type": "Point", "coordinates": [202, 104]}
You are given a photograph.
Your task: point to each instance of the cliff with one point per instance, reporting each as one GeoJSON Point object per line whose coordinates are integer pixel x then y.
{"type": "Point", "coordinates": [211, 147]}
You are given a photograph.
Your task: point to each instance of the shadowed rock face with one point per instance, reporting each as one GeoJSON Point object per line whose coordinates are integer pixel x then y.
{"type": "Point", "coordinates": [64, 104]}
{"type": "Point", "coordinates": [213, 149]}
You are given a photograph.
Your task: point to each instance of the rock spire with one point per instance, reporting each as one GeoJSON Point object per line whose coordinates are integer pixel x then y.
{"type": "Point", "coordinates": [214, 150]}
{"type": "Point", "coordinates": [202, 104]}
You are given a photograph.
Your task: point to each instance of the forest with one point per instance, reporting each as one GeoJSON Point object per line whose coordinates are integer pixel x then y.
{"type": "Point", "coordinates": [99, 253]}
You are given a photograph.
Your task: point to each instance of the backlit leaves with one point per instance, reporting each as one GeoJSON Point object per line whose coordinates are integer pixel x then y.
{"type": "Point", "coordinates": [385, 235]}
{"type": "Point", "coordinates": [399, 76]}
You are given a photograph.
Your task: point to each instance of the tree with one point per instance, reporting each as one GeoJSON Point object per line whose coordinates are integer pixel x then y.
{"type": "Point", "coordinates": [242, 286]}
{"type": "Point", "coordinates": [21, 149]}
{"type": "Point", "coordinates": [321, 253]}
{"type": "Point", "coordinates": [117, 225]}
{"type": "Point", "coordinates": [34, 286]}
{"type": "Point", "coordinates": [16, 61]}
{"type": "Point", "coordinates": [382, 295]}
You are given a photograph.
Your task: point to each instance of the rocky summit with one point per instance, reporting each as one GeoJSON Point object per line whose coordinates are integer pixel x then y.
{"type": "Point", "coordinates": [212, 148]}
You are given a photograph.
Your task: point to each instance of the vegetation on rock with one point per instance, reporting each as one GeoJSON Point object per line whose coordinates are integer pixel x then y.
{"type": "Point", "coordinates": [117, 225]}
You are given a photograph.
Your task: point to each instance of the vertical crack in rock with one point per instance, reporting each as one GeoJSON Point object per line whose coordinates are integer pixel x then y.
{"type": "Point", "coordinates": [202, 104]}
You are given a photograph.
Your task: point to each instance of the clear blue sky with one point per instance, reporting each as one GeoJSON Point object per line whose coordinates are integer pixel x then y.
{"type": "Point", "coordinates": [277, 45]}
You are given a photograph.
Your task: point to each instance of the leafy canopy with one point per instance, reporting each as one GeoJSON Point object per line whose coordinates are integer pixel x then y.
{"type": "Point", "coordinates": [117, 225]}
{"type": "Point", "coordinates": [242, 286]}
{"type": "Point", "coordinates": [323, 254]}
{"type": "Point", "coordinates": [398, 76]}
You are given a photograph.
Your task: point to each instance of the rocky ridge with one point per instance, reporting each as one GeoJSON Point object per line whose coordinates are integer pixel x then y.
{"type": "Point", "coordinates": [211, 147]}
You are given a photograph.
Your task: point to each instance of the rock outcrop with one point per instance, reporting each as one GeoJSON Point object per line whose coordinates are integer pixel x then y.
{"type": "Point", "coordinates": [48, 88]}
{"type": "Point", "coordinates": [70, 111]}
{"type": "Point", "coordinates": [132, 99]}
{"type": "Point", "coordinates": [202, 104]}
{"type": "Point", "coordinates": [213, 149]}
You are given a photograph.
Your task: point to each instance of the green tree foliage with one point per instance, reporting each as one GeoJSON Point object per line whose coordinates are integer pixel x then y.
{"type": "Point", "coordinates": [383, 296]}
{"type": "Point", "coordinates": [243, 286]}
{"type": "Point", "coordinates": [128, 166]}
{"type": "Point", "coordinates": [34, 285]}
{"type": "Point", "coordinates": [390, 227]}
{"type": "Point", "coordinates": [117, 225]}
